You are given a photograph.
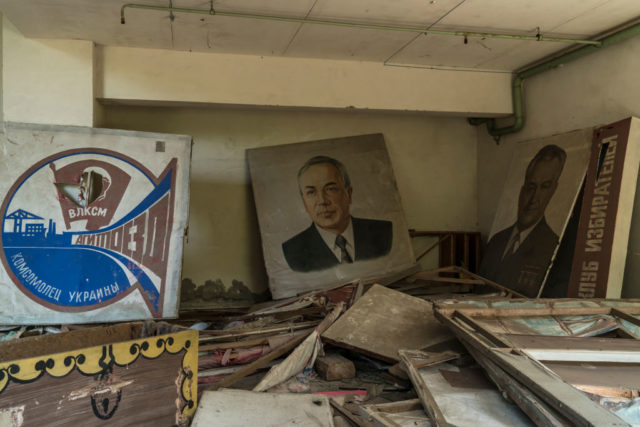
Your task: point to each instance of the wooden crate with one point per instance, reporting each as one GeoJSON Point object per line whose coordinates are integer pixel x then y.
{"type": "Point", "coordinates": [54, 380]}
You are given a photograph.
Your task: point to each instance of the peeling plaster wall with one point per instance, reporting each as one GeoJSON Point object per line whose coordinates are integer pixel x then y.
{"type": "Point", "coordinates": [434, 159]}
{"type": "Point", "coordinates": [594, 90]}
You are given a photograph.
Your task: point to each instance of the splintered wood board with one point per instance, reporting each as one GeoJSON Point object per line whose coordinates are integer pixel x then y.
{"type": "Point", "coordinates": [148, 381]}
{"type": "Point", "coordinates": [616, 378]}
{"type": "Point", "coordinates": [383, 321]}
{"type": "Point", "coordinates": [408, 413]}
{"type": "Point", "coordinates": [240, 408]}
{"type": "Point", "coordinates": [526, 342]}
{"type": "Point", "coordinates": [445, 389]}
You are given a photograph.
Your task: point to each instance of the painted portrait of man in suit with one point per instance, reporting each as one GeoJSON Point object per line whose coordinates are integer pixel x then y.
{"type": "Point", "coordinates": [329, 212]}
{"type": "Point", "coordinates": [334, 236]}
{"type": "Point", "coordinates": [518, 256]}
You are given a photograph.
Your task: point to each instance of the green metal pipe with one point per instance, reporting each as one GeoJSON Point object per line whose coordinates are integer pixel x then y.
{"type": "Point", "coordinates": [211, 11]}
{"type": "Point", "coordinates": [518, 103]}
{"type": "Point", "coordinates": [477, 121]}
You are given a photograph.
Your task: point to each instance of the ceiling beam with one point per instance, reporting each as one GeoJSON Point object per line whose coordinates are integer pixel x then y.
{"type": "Point", "coordinates": [134, 74]}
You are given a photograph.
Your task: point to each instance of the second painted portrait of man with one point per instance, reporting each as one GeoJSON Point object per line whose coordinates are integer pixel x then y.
{"type": "Point", "coordinates": [540, 190]}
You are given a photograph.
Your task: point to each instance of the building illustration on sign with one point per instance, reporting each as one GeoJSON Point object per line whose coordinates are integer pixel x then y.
{"type": "Point", "coordinates": [99, 252]}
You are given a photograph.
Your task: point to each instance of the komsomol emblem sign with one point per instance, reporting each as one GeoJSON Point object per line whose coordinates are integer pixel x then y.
{"type": "Point", "coordinates": [92, 224]}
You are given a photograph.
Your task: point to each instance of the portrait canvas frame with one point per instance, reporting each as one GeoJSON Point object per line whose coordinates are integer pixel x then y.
{"type": "Point", "coordinates": [528, 275]}
{"type": "Point", "coordinates": [282, 216]}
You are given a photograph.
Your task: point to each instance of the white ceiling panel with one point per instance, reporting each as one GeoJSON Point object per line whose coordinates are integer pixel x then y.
{"type": "Point", "coordinates": [523, 53]}
{"type": "Point", "coordinates": [316, 41]}
{"type": "Point", "coordinates": [99, 21]}
{"type": "Point", "coordinates": [231, 35]}
{"type": "Point", "coordinates": [292, 8]}
{"type": "Point", "coordinates": [601, 18]}
{"type": "Point", "coordinates": [518, 15]}
{"type": "Point", "coordinates": [418, 13]}
{"type": "Point", "coordinates": [438, 50]}
{"type": "Point", "coordinates": [96, 21]}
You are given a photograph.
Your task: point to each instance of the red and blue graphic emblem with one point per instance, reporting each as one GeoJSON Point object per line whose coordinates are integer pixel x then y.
{"type": "Point", "coordinates": [108, 236]}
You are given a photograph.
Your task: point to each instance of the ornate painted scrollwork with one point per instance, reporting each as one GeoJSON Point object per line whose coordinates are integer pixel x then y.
{"type": "Point", "coordinates": [99, 362]}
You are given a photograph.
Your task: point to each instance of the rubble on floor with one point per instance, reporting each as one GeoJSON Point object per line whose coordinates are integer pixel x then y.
{"type": "Point", "coordinates": [442, 347]}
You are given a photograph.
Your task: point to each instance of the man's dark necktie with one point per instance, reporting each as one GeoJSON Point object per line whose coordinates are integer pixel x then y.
{"type": "Point", "coordinates": [341, 242]}
{"type": "Point", "coordinates": [513, 246]}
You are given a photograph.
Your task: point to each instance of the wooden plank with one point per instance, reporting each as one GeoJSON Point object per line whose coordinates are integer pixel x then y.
{"type": "Point", "coordinates": [425, 275]}
{"type": "Point", "coordinates": [546, 384]}
{"type": "Point", "coordinates": [625, 393]}
{"type": "Point", "coordinates": [625, 315]}
{"type": "Point", "coordinates": [395, 407]}
{"type": "Point", "coordinates": [431, 288]}
{"type": "Point", "coordinates": [600, 356]}
{"type": "Point", "coordinates": [396, 414]}
{"type": "Point", "coordinates": [240, 408]}
{"type": "Point", "coordinates": [477, 251]}
{"type": "Point", "coordinates": [607, 379]}
{"type": "Point", "coordinates": [541, 381]}
{"type": "Point", "coordinates": [541, 414]}
{"type": "Point", "coordinates": [445, 389]}
{"type": "Point", "coordinates": [256, 364]}
{"type": "Point", "coordinates": [423, 359]}
{"type": "Point", "coordinates": [430, 248]}
{"type": "Point", "coordinates": [55, 343]}
{"type": "Point", "coordinates": [496, 340]}
{"type": "Point", "coordinates": [570, 343]}
{"type": "Point", "coordinates": [428, 402]}
{"type": "Point", "coordinates": [216, 335]}
{"type": "Point", "coordinates": [545, 307]}
{"type": "Point", "coordinates": [491, 283]}
{"type": "Point", "coordinates": [522, 312]}
{"type": "Point", "coordinates": [346, 413]}
{"type": "Point", "coordinates": [235, 344]}
{"type": "Point", "coordinates": [384, 320]}
{"type": "Point", "coordinates": [285, 348]}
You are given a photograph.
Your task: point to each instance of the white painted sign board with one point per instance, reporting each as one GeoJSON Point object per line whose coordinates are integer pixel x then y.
{"type": "Point", "coordinates": [92, 223]}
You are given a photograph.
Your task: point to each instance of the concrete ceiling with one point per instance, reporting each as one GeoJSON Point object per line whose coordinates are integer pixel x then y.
{"type": "Point", "coordinates": [99, 21]}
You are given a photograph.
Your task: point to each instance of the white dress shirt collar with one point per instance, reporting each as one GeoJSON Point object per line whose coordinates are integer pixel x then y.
{"type": "Point", "coordinates": [330, 240]}
{"type": "Point", "coordinates": [523, 235]}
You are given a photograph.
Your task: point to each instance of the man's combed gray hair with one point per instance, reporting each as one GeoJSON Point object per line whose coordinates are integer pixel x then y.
{"type": "Point", "coordinates": [546, 153]}
{"type": "Point", "coordinates": [325, 159]}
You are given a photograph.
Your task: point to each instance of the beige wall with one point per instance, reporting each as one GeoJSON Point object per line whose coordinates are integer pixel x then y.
{"type": "Point", "coordinates": [46, 81]}
{"type": "Point", "coordinates": [598, 89]}
{"type": "Point", "coordinates": [57, 82]}
{"type": "Point", "coordinates": [170, 76]}
{"type": "Point", "coordinates": [434, 159]}
{"type": "Point", "coordinates": [1, 67]}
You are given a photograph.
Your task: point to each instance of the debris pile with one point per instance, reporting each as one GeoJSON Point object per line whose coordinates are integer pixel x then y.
{"type": "Point", "coordinates": [441, 347]}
